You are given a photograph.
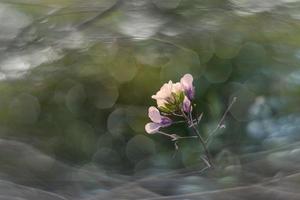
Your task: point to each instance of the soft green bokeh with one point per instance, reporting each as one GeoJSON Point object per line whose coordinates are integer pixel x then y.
{"type": "Point", "coordinates": [77, 84]}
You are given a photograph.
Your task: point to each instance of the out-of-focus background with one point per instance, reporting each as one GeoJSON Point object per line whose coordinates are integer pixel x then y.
{"type": "Point", "coordinates": [76, 79]}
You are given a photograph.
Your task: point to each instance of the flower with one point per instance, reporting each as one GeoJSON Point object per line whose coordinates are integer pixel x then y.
{"type": "Point", "coordinates": [158, 121]}
{"type": "Point", "coordinates": [166, 93]}
{"type": "Point", "coordinates": [171, 96]}
{"type": "Point", "coordinates": [187, 84]}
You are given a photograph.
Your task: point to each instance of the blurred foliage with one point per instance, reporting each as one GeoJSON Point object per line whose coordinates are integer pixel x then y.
{"type": "Point", "coordinates": [77, 77]}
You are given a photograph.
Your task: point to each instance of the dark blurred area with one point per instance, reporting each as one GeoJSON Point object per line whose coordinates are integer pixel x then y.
{"type": "Point", "coordinates": [76, 79]}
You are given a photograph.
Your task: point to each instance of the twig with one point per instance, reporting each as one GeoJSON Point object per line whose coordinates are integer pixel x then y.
{"type": "Point", "coordinates": [201, 140]}
{"type": "Point", "coordinates": [178, 122]}
{"type": "Point", "coordinates": [173, 136]}
{"type": "Point", "coordinates": [177, 137]}
{"type": "Point", "coordinates": [199, 118]}
{"type": "Point", "coordinates": [221, 121]}
{"type": "Point", "coordinates": [188, 137]}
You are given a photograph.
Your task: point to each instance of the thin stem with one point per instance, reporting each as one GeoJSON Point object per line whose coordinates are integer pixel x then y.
{"type": "Point", "coordinates": [201, 140]}
{"type": "Point", "coordinates": [178, 122]}
{"type": "Point", "coordinates": [199, 118]}
{"type": "Point", "coordinates": [183, 121]}
{"type": "Point", "coordinates": [204, 146]}
{"type": "Point", "coordinates": [188, 137]}
{"type": "Point", "coordinates": [177, 137]}
{"type": "Point", "coordinates": [174, 137]}
{"type": "Point", "coordinates": [178, 115]}
{"type": "Point", "coordinates": [221, 121]}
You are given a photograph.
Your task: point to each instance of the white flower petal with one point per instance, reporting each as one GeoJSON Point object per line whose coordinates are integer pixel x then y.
{"type": "Point", "coordinates": [154, 114]}
{"type": "Point", "coordinates": [164, 95]}
{"type": "Point", "coordinates": [177, 87]}
{"type": "Point", "coordinates": [164, 92]}
{"type": "Point", "coordinates": [160, 102]}
{"type": "Point", "coordinates": [152, 128]}
{"type": "Point", "coordinates": [187, 81]}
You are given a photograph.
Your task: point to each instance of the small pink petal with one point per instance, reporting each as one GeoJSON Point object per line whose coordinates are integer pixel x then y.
{"type": "Point", "coordinates": [164, 92]}
{"type": "Point", "coordinates": [177, 87]}
{"type": "Point", "coordinates": [187, 81]}
{"type": "Point", "coordinates": [170, 84]}
{"type": "Point", "coordinates": [154, 114]}
{"type": "Point", "coordinates": [186, 105]}
{"type": "Point", "coordinates": [165, 121]}
{"type": "Point", "coordinates": [152, 128]}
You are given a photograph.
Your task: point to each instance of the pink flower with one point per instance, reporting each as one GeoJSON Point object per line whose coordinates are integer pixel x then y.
{"type": "Point", "coordinates": [164, 95]}
{"type": "Point", "coordinates": [187, 84]}
{"type": "Point", "coordinates": [158, 121]}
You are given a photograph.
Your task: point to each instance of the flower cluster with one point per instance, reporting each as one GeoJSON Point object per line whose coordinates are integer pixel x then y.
{"type": "Point", "coordinates": [175, 100]}
{"type": "Point", "coordinates": [171, 99]}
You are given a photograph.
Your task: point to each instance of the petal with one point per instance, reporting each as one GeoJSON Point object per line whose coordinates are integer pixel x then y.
{"type": "Point", "coordinates": [154, 114]}
{"type": "Point", "coordinates": [187, 81]}
{"type": "Point", "coordinates": [170, 84]}
{"type": "Point", "coordinates": [186, 105]}
{"type": "Point", "coordinates": [161, 102]}
{"type": "Point", "coordinates": [165, 121]}
{"type": "Point", "coordinates": [177, 87]}
{"type": "Point", "coordinates": [164, 92]}
{"type": "Point", "coordinates": [152, 128]}
{"type": "Point", "coordinates": [191, 93]}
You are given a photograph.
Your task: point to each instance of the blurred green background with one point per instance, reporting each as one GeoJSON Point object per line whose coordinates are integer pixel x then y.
{"type": "Point", "coordinates": [77, 79]}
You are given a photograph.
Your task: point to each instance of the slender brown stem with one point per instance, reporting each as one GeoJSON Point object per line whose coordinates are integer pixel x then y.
{"type": "Point", "coordinates": [203, 145]}
{"type": "Point", "coordinates": [201, 140]}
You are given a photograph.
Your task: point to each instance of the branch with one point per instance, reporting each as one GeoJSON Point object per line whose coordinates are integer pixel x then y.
{"type": "Point", "coordinates": [201, 140]}
{"type": "Point", "coordinates": [220, 124]}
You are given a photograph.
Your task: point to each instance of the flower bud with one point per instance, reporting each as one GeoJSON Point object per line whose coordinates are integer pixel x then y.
{"type": "Point", "coordinates": [186, 105]}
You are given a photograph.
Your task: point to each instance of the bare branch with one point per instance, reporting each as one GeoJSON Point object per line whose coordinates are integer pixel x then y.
{"type": "Point", "coordinates": [200, 118]}
{"type": "Point", "coordinates": [220, 124]}
{"type": "Point", "coordinates": [201, 140]}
